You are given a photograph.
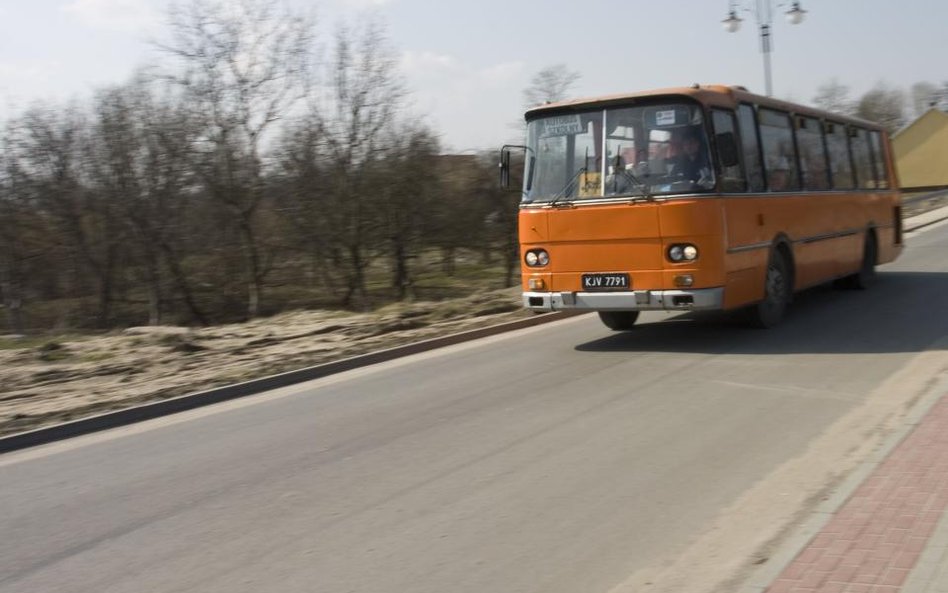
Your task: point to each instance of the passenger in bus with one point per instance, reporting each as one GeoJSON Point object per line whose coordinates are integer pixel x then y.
{"type": "Point", "coordinates": [692, 164]}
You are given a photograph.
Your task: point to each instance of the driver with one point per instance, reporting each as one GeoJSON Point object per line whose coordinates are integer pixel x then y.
{"type": "Point", "coordinates": [692, 163]}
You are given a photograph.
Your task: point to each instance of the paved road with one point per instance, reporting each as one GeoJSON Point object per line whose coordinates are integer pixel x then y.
{"type": "Point", "coordinates": [563, 458]}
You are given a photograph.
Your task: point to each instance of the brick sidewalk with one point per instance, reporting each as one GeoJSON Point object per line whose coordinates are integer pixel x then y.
{"type": "Point", "coordinates": [875, 539]}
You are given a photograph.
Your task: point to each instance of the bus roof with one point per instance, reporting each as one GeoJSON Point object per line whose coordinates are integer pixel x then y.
{"type": "Point", "coordinates": [714, 95]}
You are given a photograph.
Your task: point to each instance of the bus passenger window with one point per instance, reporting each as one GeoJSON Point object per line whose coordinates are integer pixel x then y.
{"type": "Point", "coordinates": [859, 144]}
{"type": "Point", "coordinates": [882, 175]}
{"type": "Point", "coordinates": [778, 175]}
{"type": "Point", "coordinates": [732, 177]}
{"type": "Point", "coordinates": [780, 158]}
{"type": "Point", "coordinates": [841, 170]}
{"type": "Point", "coordinates": [750, 146]}
{"type": "Point", "coordinates": [812, 154]}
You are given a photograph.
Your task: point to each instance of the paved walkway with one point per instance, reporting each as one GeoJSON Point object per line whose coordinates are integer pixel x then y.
{"type": "Point", "coordinates": [891, 535]}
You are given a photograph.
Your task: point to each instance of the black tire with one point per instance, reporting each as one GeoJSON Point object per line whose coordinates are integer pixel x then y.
{"type": "Point", "coordinates": [619, 321]}
{"type": "Point", "coordinates": [777, 290]}
{"type": "Point", "coordinates": [866, 275]}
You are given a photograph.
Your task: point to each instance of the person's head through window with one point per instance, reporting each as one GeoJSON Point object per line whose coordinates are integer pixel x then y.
{"type": "Point", "coordinates": [691, 144]}
{"type": "Point", "coordinates": [692, 163]}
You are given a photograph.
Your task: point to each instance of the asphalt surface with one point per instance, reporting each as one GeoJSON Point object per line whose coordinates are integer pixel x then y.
{"type": "Point", "coordinates": [561, 458]}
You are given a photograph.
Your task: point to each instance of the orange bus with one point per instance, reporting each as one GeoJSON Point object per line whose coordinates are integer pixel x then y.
{"type": "Point", "coordinates": [699, 198]}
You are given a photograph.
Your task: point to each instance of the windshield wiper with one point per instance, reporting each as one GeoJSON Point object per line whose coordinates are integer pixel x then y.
{"type": "Point", "coordinates": [569, 185]}
{"type": "Point", "coordinates": [643, 188]}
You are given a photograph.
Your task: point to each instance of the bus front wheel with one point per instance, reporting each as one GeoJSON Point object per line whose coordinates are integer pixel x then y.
{"type": "Point", "coordinates": [619, 320]}
{"type": "Point", "coordinates": [777, 289]}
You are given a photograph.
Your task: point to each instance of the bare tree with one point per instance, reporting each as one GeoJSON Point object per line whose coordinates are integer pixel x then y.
{"type": "Point", "coordinates": [459, 217]}
{"type": "Point", "coordinates": [343, 133]}
{"type": "Point", "coordinates": [549, 84]}
{"type": "Point", "coordinates": [141, 150]}
{"type": "Point", "coordinates": [300, 189]}
{"type": "Point", "coordinates": [834, 96]}
{"type": "Point", "coordinates": [52, 152]}
{"type": "Point", "coordinates": [924, 96]}
{"type": "Point", "coordinates": [243, 66]}
{"type": "Point", "coordinates": [884, 105]}
{"type": "Point", "coordinates": [14, 215]}
{"type": "Point", "coordinates": [408, 189]}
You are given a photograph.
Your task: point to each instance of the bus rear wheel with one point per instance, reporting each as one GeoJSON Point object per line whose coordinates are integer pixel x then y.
{"type": "Point", "coordinates": [866, 275]}
{"type": "Point", "coordinates": [777, 289]}
{"type": "Point", "coordinates": [619, 320]}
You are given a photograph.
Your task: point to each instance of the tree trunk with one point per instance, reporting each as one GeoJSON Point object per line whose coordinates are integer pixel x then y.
{"type": "Point", "coordinates": [105, 297]}
{"type": "Point", "coordinates": [402, 280]}
{"type": "Point", "coordinates": [357, 294]}
{"type": "Point", "coordinates": [181, 283]}
{"type": "Point", "coordinates": [254, 273]}
{"type": "Point", "coordinates": [154, 291]}
{"type": "Point", "coordinates": [106, 273]}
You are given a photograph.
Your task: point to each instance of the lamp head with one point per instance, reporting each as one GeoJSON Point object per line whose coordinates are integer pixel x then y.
{"type": "Point", "coordinates": [796, 14]}
{"type": "Point", "coordinates": [732, 23]}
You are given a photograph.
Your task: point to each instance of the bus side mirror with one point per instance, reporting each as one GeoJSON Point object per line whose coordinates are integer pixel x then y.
{"type": "Point", "coordinates": [727, 149]}
{"type": "Point", "coordinates": [505, 165]}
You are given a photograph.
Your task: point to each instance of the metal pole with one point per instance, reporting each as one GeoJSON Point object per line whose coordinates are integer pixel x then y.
{"type": "Point", "coordinates": [764, 20]}
{"type": "Point", "coordinates": [765, 49]}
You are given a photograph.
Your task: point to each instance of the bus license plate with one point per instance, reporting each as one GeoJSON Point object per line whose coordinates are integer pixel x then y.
{"type": "Point", "coordinates": [606, 282]}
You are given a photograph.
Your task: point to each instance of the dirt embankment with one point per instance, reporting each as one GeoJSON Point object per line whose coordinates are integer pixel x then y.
{"type": "Point", "coordinates": [59, 380]}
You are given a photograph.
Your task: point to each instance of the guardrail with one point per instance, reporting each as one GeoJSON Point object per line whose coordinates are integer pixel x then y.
{"type": "Point", "coordinates": [926, 188]}
{"type": "Point", "coordinates": [927, 196]}
{"type": "Point", "coordinates": [933, 191]}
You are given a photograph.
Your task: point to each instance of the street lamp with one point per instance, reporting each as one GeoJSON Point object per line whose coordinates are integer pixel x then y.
{"type": "Point", "coordinates": [763, 11]}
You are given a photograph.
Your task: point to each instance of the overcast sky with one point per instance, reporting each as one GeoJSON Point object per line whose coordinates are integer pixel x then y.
{"type": "Point", "coordinates": [467, 62]}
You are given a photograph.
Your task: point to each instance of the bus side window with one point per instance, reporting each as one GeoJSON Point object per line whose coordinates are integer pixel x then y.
{"type": "Point", "coordinates": [725, 129]}
{"type": "Point", "coordinates": [751, 147]}
{"type": "Point", "coordinates": [862, 158]}
{"type": "Point", "coordinates": [878, 155]}
{"type": "Point", "coordinates": [841, 169]}
{"type": "Point", "coordinates": [776, 135]}
{"type": "Point", "coordinates": [812, 154]}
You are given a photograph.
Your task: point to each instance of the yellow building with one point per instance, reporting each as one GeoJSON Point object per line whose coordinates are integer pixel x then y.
{"type": "Point", "coordinates": [921, 151]}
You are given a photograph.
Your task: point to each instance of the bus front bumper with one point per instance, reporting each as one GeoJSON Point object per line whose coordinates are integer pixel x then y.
{"type": "Point", "coordinates": [703, 299]}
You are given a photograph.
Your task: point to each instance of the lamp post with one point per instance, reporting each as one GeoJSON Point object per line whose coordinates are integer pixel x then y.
{"type": "Point", "coordinates": [764, 20]}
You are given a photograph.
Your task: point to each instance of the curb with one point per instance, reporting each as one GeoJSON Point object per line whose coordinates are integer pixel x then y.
{"type": "Point", "coordinates": [927, 223]}
{"type": "Point", "coordinates": [925, 219]}
{"type": "Point", "coordinates": [149, 411]}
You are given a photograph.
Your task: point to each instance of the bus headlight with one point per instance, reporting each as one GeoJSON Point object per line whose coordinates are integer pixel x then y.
{"type": "Point", "coordinates": [683, 252]}
{"type": "Point", "coordinates": [536, 258]}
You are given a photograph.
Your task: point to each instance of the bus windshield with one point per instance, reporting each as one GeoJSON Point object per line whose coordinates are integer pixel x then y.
{"type": "Point", "coordinates": [647, 150]}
